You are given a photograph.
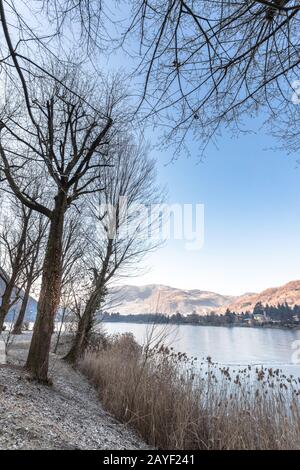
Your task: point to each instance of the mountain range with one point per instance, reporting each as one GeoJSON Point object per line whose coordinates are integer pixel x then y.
{"type": "Point", "coordinates": [289, 293]}
{"type": "Point", "coordinates": [154, 298]}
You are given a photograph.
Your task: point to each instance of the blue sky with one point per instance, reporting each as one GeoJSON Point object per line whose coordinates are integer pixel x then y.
{"type": "Point", "coordinates": [251, 195]}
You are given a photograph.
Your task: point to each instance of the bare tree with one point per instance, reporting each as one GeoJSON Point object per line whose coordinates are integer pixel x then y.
{"type": "Point", "coordinates": [204, 64]}
{"type": "Point", "coordinates": [120, 234]}
{"type": "Point", "coordinates": [35, 236]}
{"type": "Point", "coordinates": [66, 140]}
{"type": "Point", "coordinates": [14, 251]}
{"type": "Point", "coordinates": [32, 33]}
{"type": "Point", "coordinates": [73, 271]}
{"type": "Point", "coordinates": [209, 63]}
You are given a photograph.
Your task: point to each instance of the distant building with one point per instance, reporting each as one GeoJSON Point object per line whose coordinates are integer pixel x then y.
{"type": "Point", "coordinates": [260, 318]}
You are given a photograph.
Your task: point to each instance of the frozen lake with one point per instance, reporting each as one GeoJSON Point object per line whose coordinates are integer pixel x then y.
{"type": "Point", "coordinates": [229, 345]}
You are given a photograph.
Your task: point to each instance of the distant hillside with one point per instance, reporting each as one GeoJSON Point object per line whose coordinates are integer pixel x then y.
{"type": "Point", "coordinates": [154, 298]}
{"type": "Point", "coordinates": [289, 293]}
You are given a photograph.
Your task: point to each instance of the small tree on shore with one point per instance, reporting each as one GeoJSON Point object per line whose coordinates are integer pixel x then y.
{"type": "Point", "coordinates": [121, 235]}
{"type": "Point", "coordinates": [73, 272]}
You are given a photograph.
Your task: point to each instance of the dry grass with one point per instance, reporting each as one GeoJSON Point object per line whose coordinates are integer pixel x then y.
{"type": "Point", "coordinates": [175, 404]}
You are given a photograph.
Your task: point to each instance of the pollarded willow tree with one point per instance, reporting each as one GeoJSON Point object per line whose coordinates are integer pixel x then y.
{"type": "Point", "coordinates": [64, 139]}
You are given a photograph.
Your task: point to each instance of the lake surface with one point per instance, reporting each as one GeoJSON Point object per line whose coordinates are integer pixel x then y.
{"type": "Point", "coordinates": [228, 345]}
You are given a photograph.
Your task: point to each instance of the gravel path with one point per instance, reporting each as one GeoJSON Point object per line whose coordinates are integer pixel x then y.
{"type": "Point", "coordinates": [2, 352]}
{"type": "Point", "coordinates": [67, 415]}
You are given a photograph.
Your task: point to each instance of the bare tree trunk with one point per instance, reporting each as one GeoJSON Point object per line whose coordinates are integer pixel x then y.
{"type": "Point", "coordinates": [86, 321]}
{"type": "Point", "coordinates": [5, 302]}
{"type": "Point", "coordinates": [16, 267]}
{"type": "Point", "coordinates": [38, 357]}
{"type": "Point", "coordinates": [17, 330]}
{"type": "Point", "coordinates": [4, 306]}
{"type": "Point", "coordinates": [84, 328]}
{"type": "Point", "coordinates": [60, 329]}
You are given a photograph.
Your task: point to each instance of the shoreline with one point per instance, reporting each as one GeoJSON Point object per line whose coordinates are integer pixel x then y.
{"type": "Point", "coordinates": [275, 327]}
{"type": "Point", "coordinates": [67, 415]}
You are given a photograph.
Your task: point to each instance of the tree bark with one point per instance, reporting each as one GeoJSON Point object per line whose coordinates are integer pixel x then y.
{"type": "Point", "coordinates": [38, 356]}
{"type": "Point", "coordinates": [84, 328]}
{"type": "Point", "coordinates": [17, 330]}
{"type": "Point", "coordinates": [60, 330]}
{"type": "Point", "coordinates": [5, 302]}
{"type": "Point", "coordinates": [86, 321]}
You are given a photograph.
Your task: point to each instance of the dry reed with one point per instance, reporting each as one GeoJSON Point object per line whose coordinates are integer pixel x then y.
{"type": "Point", "coordinates": [175, 403]}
